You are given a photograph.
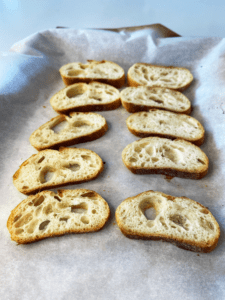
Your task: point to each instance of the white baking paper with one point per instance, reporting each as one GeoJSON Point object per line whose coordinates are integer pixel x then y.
{"type": "Point", "coordinates": [107, 265]}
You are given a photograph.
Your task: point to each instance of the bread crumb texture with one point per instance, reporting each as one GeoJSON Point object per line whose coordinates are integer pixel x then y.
{"type": "Point", "coordinates": [47, 214]}
{"type": "Point", "coordinates": [142, 98]}
{"type": "Point", "coordinates": [155, 155]}
{"type": "Point", "coordinates": [179, 220]}
{"type": "Point", "coordinates": [76, 128]}
{"type": "Point", "coordinates": [85, 97]}
{"type": "Point", "coordinates": [52, 168]}
{"type": "Point", "coordinates": [159, 76]}
{"type": "Point", "coordinates": [164, 123]}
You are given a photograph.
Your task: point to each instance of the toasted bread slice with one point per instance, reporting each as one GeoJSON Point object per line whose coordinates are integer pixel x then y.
{"type": "Point", "coordinates": [179, 220]}
{"type": "Point", "coordinates": [102, 71]}
{"type": "Point", "coordinates": [166, 124]}
{"type": "Point", "coordinates": [174, 78]}
{"type": "Point", "coordinates": [47, 214]}
{"type": "Point", "coordinates": [177, 158]}
{"type": "Point", "coordinates": [143, 98]}
{"type": "Point", "coordinates": [84, 97]}
{"type": "Point", "coordinates": [52, 169]}
{"type": "Point", "coordinates": [65, 131]}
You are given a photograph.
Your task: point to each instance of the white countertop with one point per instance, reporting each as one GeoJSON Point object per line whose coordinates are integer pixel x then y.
{"type": "Point", "coordinates": [21, 18]}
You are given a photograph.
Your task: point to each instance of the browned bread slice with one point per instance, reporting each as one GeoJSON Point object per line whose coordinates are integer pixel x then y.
{"type": "Point", "coordinates": [84, 97]}
{"type": "Point", "coordinates": [102, 71]}
{"type": "Point", "coordinates": [166, 124]}
{"type": "Point", "coordinates": [143, 98]}
{"type": "Point", "coordinates": [52, 169]}
{"type": "Point", "coordinates": [159, 76]}
{"type": "Point", "coordinates": [47, 214]}
{"type": "Point", "coordinates": [177, 158]}
{"type": "Point", "coordinates": [65, 131]}
{"type": "Point", "coordinates": [179, 220]}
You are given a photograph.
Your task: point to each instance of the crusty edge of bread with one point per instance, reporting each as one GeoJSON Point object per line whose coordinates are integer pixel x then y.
{"type": "Point", "coordinates": [191, 246]}
{"type": "Point", "coordinates": [77, 140]}
{"type": "Point", "coordinates": [50, 186]}
{"type": "Point", "coordinates": [132, 82]}
{"type": "Point", "coordinates": [132, 108]}
{"type": "Point", "coordinates": [63, 232]}
{"type": "Point", "coordinates": [170, 171]}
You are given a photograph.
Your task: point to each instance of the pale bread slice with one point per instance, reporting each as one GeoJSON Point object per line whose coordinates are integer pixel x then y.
{"type": "Point", "coordinates": [82, 97]}
{"type": "Point", "coordinates": [175, 78]}
{"type": "Point", "coordinates": [143, 98]}
{"type": "Point", "coordinates": [52, 169]}
{"type": "Point", "coordinates": [47, 214]}
{"type": "Point", "coordinates": [65, 131]}
{"type": "Point", "coordinates": [166, 124]}
{"type": "Point", "coordinates": [102, 71]}
{"type": "Point", "coordinates": [178, 220]}
{"type": "Point", "coordinates": [177, 158]}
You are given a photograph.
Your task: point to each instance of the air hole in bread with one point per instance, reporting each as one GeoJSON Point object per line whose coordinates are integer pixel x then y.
{"type": "Point", "coordinates": [47, 209]}
{"type": "Point", "coordinates": [86, 157]}
{"type": "Point", "coordinates": [137, 149]}
{"type": "Point", "coordinates": [59, 127]}
{"type": "Point", "coordinates": [150, 151]}
{"type": "Point", "coordinates": [150, 213]}
{"type": "Point", "coordinates": [179, 220]}
{"type": "Point", "coordinates": [32, 226]}
{"type": "Point", "coordinates": [162, 221]}
{"type": "Point", "coordinates": [17, 218]}
{"type": "Point", "coordinates": [132, 159]}
{"type": "Point", "coordinates": [147, 208]}
{"type": "Point", "coordinates": [201, 161]}
{"type": "Point", "coordinates": [64, 219]}
{"type": "Point", "coordinates": [204, 211]}
{"type": "Point", "coordinates": [96, 98]}
{"type": "Point", "coordinates": [44, 225]}
{"type": "Point", "coordinates": [79, 208]}
{"type": "Point", "coordinates": [25, 187]}
{"type": "Point", "coordinates": [24, 220]}
{"type": "Point", "coordinates": [81, 123]}
{"type": "Point", "coordinates": [46, 175]}
{"type": "Point", "coordinates": [156, 100]}
{"type": "Point", "coordinates": [89, 194]}
{"type": "Point", "coordinates": [206, 224]}
{"type": "Point", "coordinates": [162, 122]}
{"type": "Point", "coordinates": [74, 167]}
{"type": "Point", "coordinates": [74, 73]}
{"type": "Point", "coordinates": [165, 80]}
{"type": "Point", "coordinates": [41, 159]}
{"type": "Point", "coordinates": [171, 154]}
{"type": "Point", "coordinates": [154, 159]}
{"type": "Point", "coordinates": [163, 73]}
{"type": "Point", "coordinates": [109, 93]}
{"type": "Point", "coordinates": [150, 224]}
{"type": "Point", "coordinates": [19, 231]}
{"type": "Point", "coordinates": [93, 211]}
{"type": "Point", "coordinates": [75, 92]}
{"type": "Point", "coordinates": [85, 220]}
{"type": "Point", "coordinates": [57, 198]}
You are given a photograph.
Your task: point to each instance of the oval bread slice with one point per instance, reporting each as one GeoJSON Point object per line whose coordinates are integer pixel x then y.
{"type": "Point", "coordinates": [102, 71]}
{"type": "Point", "coordinates": [86, 97]}
{"type": "Point", "coordinates": [166, 124]}
{"type": "Point", "coordinates": [47, 214]}
{"type": "Point", "coordinates": [143, 98]}
{"type": "Point", "coordinates": [177, 158]}
{"type": "Point", "coordinates": [159, 76]}
{"type": "Point", "coordinates": [179, 220]}
{"type": "Point", "coordinates": [65, 131]}
{"type": "Point", "coordinates": [52, 169]}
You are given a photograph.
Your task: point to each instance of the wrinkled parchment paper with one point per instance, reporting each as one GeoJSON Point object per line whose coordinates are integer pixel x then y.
{"type": "Point", "coordinates": [106, 264]}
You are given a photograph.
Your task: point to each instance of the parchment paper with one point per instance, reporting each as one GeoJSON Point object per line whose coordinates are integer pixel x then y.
{"type": "Point", "coordinates": [106, 264]}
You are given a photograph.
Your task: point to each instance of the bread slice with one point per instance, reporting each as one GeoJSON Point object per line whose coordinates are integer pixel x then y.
{"type": "Point", "coordinates": [177, 158]}
{"type": "Point", "coordinates": [174, 78]}
{"type": "Point", "coordinates": [84, 97]}
{"type": "Point", "coordinates": [47, 214]}
{"type": "Point", "coordinates": [65, 131]}
{"type": "Point", "coordinates": [166, 124]}
{"type": "Point", "coordinates": [178, 220]}
{"type": "Point", "coordinates": [102, 71]}
{"type": "Point", "coordinates": [52, 169]}
{"type": "Point", "coordinates": [143, 98]}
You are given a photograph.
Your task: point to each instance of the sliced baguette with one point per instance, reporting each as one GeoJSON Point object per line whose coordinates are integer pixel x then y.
{"type": "Point", "coordinates": [166, 124]}
{"type": "Point", "coordinates": [84, 97]}
{"type": "Point", "coordinates": [178, 220]}
{"type": "Point", "coordinates": [143, 98]}
{"type": "Point", "coordinates": [47, 214]}
{"type": "Point", "coordinates": [65, 131]}
{"type": "Point", "coordinates": [159, 76]}
{"type": "Point", "coordinates": [52, 169]}
{"type": "Point", "coordinates": [102, 71]}
{"type": "Point", "coordinates": [177, 158]}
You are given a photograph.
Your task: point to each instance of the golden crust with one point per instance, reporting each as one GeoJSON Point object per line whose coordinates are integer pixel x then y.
{"type": "Point", "coordinates": [191, 245]}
